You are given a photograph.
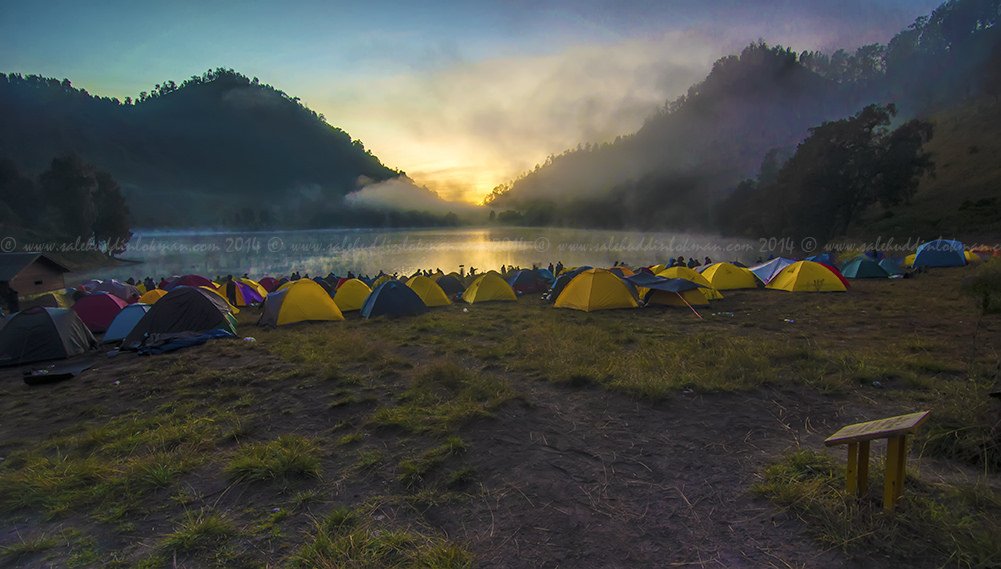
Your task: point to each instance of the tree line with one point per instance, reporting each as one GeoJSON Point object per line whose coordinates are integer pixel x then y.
{"type": "Point", "coordinates": [677, 170]}
{"type": "Point", "coordinates": [71, 199]}
{"type": "Point", "coordinates": [842, 168]}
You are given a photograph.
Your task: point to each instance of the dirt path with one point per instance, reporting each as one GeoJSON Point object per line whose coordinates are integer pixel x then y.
{"type": "Point", "coordinates": [585, 478]}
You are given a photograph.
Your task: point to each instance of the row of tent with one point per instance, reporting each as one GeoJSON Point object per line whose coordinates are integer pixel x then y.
{"type": "Point", "coordinates": [42, 333]}
{"type": "Point", "coordinates": [192, 304]}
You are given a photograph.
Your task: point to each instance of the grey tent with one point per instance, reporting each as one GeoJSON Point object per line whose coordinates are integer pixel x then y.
{"type": "Point", "coordinates": [38, 334]}
{"type": "Point", "coordinates": [183, 309]}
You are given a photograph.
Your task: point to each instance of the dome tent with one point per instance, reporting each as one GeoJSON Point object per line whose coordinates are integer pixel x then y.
{"type": "Point", "coordinates": [596, 289]}
{"type": "Point", "coordinates": [489, 287]}
{"type": "Point", "coordinates": [299, 301]}
{"type": "Point", "coordinates": [940, 253]}
{"type": "Point", "coordinates": [40, 334]}
{"type": "Point", "coordinates": [124, 322]}
{"type": "Point", "coordinates": [351, 295]}
{"type": "Point", "coordinates": [183, 309]}
{"type": "Point", "coordinates": [98, 310]}
{"type": "Point", "coordinates": [807, 276]}
{"type": "Point", "coordinates": [429, 291]}
{"type": "Point", "coordinates": [393, 298]}
{"type": "Point", "coordinates": [727, 276]}
{"type": "Point", "coordinates": [863, 267]}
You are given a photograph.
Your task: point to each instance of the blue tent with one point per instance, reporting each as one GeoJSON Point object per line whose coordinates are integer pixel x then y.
{"type": "Point", "coordinates": [863, 267]}
{"type": "Point", "coordinates": [826, 257]}
{"type": "Point", "coordinates": [393, 298]}
{"type": "Point", "coordinates": [527, 281]}
{"type": "Point", "coordinates": [891, 266]}
{"type": "Point", "coordinates": [547, 275]}
{"type": "Point", "coordinates": [940, 253]}
{"type": "Point", "coordinates": [563, 280]}
{"type": "Point", "coordinates": [124, 322]}
{"type": "Point", "coordinates": [766, 271]}
{"type": "Point", "coordinates": [451, 285]}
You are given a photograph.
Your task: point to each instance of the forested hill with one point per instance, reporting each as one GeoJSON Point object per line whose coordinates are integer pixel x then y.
{"type": "Point", "coordinates": [753, 109]}
{"type": "Point", "coordinates": [220, 148]}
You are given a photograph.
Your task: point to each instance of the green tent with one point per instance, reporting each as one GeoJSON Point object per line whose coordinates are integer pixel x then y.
{"type": "Point", "coordinates": [863, 267]}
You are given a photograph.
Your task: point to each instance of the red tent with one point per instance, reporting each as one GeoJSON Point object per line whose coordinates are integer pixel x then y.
{"type": "Point", "coordinates": [187, 280]}
{"type": "Point", "coordinates": [837, 273]}
{"type": "Point", "coordinates": [270, 284]}
{"type": "Point", "coordinates": [98, 310]}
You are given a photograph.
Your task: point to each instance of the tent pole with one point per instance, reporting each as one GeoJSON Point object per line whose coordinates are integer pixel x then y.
{"type": "Point", "coordinates": [689, 306]}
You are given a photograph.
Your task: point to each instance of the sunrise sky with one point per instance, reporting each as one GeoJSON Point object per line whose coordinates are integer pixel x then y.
{"type": "Point", "coordinates": [461, 96]}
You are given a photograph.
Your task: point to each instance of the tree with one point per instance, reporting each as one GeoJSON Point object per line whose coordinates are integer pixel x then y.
{"type": "Point", "coordinates": [69, 185]}
{"type": "Point", "coordinates": [18, 192]}
{"type": "Point", "coordinates": [111, 226]}
{"type": "Point", "coordinates": [903, 162]}
{"type": "Point", "coordinates": [842, 168]}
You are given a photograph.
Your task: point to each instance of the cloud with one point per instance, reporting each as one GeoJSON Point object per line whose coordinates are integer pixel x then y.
{"type": "Point", "coordinates": [401, 193]}
{"type": "Point", "coordinates": [466, 127]}
{"type": "Point", "coordinates": [463, 126]}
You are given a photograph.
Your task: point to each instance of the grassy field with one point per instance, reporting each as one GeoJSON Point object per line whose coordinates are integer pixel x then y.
{"type": "Point", "coordinates": [519, 435]}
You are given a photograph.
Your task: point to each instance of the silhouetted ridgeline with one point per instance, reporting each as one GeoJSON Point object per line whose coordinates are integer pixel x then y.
{"type": "Point", "coordinates": [675, 171]}
{"type": "Point", "coordinates": [217, 149]}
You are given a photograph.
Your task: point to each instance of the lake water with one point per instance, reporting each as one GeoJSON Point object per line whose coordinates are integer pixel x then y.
{"type": "Point", "coordinates": [367, 251]}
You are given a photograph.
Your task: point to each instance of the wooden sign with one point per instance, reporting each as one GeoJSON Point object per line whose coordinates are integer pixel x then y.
{"type": "Point", "coordinates": [858, 436]}
{"type": "Point", "coordinates": [878, 429]}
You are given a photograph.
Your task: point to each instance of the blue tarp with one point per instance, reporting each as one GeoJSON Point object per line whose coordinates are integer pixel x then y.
{"type": "Point", "coordinates": [660, 283]}
{"type": "Point", "coordinates": [174, 342]}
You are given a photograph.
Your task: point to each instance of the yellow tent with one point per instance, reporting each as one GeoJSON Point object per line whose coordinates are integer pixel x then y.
{"type": "Point", "coordinates": [254, 285]}
{"type": "Point", "coordinates": [691, 275]}
{"type": "Point", "coordinates": [488, 287]}
{"type": "Point", "coordinates": [727, 276]}
{"type": "Point", "coordinates": [657, 268]}
{"type": "Point", "coordinates": [909, 260]}
{"type": "Point", "coordinates": [141, 288]}
{"type": "Point", "coordinates": [351, 295]}
{"type": "Point", "coordinates": [381, 280]}
{"type": "Point", "coordinates": [692, 297]}
{"type": "Point", "coordinates": [152, 296]}
{"type": "Point", "coordinates": [51, 299]}
{"type": "Point", "coordinates": [807, 276]}
{"type": "Point", "coordinates": [216, 292]}
{"type": "Point", "coordinates": [596, 289]}
{"type": "Point", "coordinates": [972, 257]}
{"type": "Point", "coordinates": [303, 300]}
{"type": "Point", "coordinates": [429, 291]}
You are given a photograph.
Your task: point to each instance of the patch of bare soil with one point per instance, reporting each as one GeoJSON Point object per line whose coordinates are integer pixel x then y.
{"type": "Point", "coordinates": [585, 478]}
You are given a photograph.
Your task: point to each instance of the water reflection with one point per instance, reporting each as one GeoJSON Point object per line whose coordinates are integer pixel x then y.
{"type": "Point", "coordinates": [405, 251]}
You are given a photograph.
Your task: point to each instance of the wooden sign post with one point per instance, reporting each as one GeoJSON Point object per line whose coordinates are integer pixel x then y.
{"type": "Point", "coordinates": [858, 436]}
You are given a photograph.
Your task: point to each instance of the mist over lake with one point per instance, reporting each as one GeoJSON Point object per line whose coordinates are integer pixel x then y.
{"type": "Point", "coordinates": [258, 253]}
